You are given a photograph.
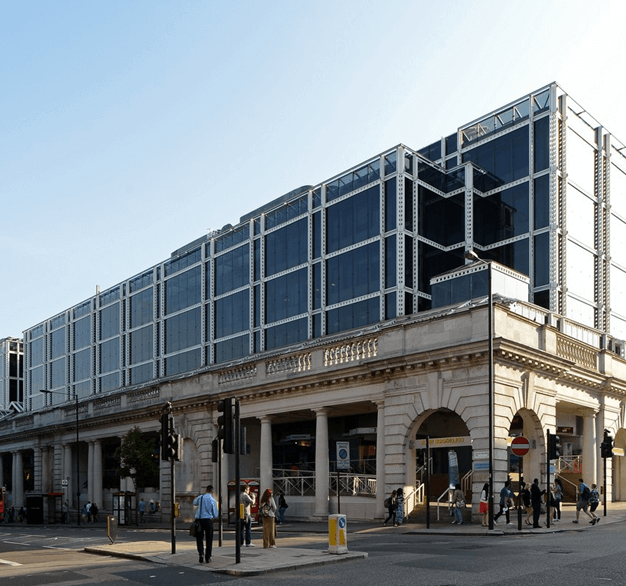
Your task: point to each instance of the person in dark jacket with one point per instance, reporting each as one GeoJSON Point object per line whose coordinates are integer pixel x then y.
{"type": "Point", "coordinates": [505, 494]}
{"type": "Point", "coordinates": [536, 495]}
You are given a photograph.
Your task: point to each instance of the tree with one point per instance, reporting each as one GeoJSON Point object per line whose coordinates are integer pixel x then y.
{"type": "Point", "coordinates": [137, 459]}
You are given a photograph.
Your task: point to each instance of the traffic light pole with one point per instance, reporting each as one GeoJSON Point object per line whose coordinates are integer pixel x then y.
{"type": "Point", "coordinates": [238, 527]}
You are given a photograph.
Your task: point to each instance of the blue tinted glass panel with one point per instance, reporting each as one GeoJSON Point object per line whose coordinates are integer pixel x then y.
{"type": "Point", "coordinates": [57, 322]}
{"type": "Point", "coordinates": [207, 283]}
{"type": "Point", "coordinates": [408, 261]}
{"type": "Point", "coordinates": [391, 204]}
{"type": "Point", "coordinates": [232, 238]}
{"type": "Point", "coordinates": [514, 255]}
{"type": "Point", "coordinates": [109, 296]}
{"type": "Point", "coordinates": [141, 374]}
{"type": "Point", "coordinates": [542, 144]}
{"type": "Point", "coordinates": [257, 259]}
{"type": "Point", "coordinates": [542, 299]}
{"type": "Point", "coordinates": [232, 270]}
{"type": "Point", "coordinates": [109, 382]}
{"type": "Point", "coordinates": [286, 334]}
{"type": "Point", "coordinates": [182, 262]}
{"type": "Point", "coordinates": [390, 262]}
{"type": "Point", "coordinates": [353, 274]}
{"type": "Point", "coordinates": [317, 235]}
{"type": "Point", "coordinates": [110, 321]}
{"type": "Point", "coordinates": [57, 373]}
{"type": "Point", "coordinates": [432, 151]}
{"type": "Point", "coordinates": [82, 365]}
{"type": "Point", "coordinates": [141, 281]}
{"type": "Point", "coordinates": [353, 220]}
{"type": "Point", "coordinates": [317, 198]}
{"type": "Point", "coordinates": [141, 308]}
{"type": "Point", "coordinates": [433, 262]}
{"type": "Point", "coordinates": [441, 219]}
{"type": "Point", "coordinates": [408, 204]}
{"type": "Point", "coordinates": [501, 215]}
{"type": "Point", "coordinates": [232, 314]}
{"type": "Point", "coordinates": [355, 315]}
{"type": "Point", "coordinates": [110, 355]}
{"type": "Point", "coordinates": [391, 309]}
{"type": "Point", "coordinates": [141, 345]}
{"type": "Point", "coordinates": [317, 285]}
{"type": "Point", "coordinates": [542, 259]}
{"type": "Point", "coordinates": [36, 379]}
{"type": "Point", "coordinates": [505, 157]}
{"type": "Point", "coordinates": [391, 163]}
{"type": "Point", "coordinates": [183, 362]}
{"type": "Point", "coordinates": [542, 202]}
{"type": "Point", "coordinates": [287, 212]}
{"type": "Point", "coordinates": [286, 296]}
{"type": "Point", "coordinates": [183, 290]}
{"type": "Point", "coordinates": [317, 325]}
{"type": "Point", "coordinates": [82, 333]}
{"type": "Point", "coordinates": [57, 343]}
{"type": "Point", "coordinates": [451, 143]}
{"type": "Point", "coordinates": [232, 349]}
{"type": "Point", "coordinates": [287, 247]}
{"type": "Point", "coordinates": [183, 330]}
{"type": "Point", "coordinates": [81, 310]}
{"type": "Point", "coordinates": [257, 306]}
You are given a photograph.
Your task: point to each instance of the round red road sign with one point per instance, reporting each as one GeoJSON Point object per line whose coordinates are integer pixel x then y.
{"type": "Point", "coordinates": [520, 446]}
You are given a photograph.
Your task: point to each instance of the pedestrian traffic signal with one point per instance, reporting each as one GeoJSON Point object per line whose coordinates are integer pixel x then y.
{"type": "Point", "coordinates": [225, 425]}
{"type": "Point", "coordinates": [165, 429]}
{"type": "Point", "coordinates": [606, 447]}
{"type": "Point", "coordinates": [554, 446]}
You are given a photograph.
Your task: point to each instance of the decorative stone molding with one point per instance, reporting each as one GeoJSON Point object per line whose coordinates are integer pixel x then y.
{"type": "Point", "coordinates": [107, 403]}
{"type": "Point", "coordinates": [576, 352]}
{"type": "Point", "coordinates": [143, 396]}
{"type": "Point", "coordinates": [237, 374]}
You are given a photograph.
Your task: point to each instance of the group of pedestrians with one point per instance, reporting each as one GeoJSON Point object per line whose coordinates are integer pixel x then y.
{"type": "Point", "coordinates": [394, 504]}
{"type": "Point", "coordinates": [90, 513]}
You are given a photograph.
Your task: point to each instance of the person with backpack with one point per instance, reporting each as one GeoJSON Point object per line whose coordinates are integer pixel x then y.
{"type": "Point", "coordinates": [594, 501]}
{"type": "Point", "coordinates": [584, 494]}
{"type": "Point", "coordinates": [505, 495]}
{"type": "Point", "coordinates": [390, 505]}
{"type": "Point", "coordinates": [267, 509]}
{"type": "Point", "coordinates": [282, 507]}
{"type": "Point", "coordinates": [399, 512]}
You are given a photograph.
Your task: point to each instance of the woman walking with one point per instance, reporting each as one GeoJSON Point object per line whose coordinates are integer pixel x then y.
{"type": "Point", "coordinates": [483, 508]}
{"type": "Point", "coordinates": [267, 508]}
{"type": "Point", "coordinates": [557, 497]}
{"type": "Point", "coordinates": [399, 507]}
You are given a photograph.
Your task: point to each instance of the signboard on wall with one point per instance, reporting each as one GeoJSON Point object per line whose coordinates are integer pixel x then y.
{"type": "Point", "coordinates": [444, 442]}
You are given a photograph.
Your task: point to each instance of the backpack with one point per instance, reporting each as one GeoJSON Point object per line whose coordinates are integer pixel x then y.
{"type": "Point", "coordinates": [594, 497]}
{"type": "Point", "coordinates": [387, 502]}
{"type": "Point", "coordinates": [265, 510]}
{"type": "Point", "coordinates": [586, 494]}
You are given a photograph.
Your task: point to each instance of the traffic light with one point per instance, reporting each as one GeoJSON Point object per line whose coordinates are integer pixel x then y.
{"type": "Point", "coordinates": [215, 450]}
{"type": "Point", "coordinates": [606, 447]}
{"type": "Point", "coordinates": [225, 425]}
{"type": "Point", "coordinates": [173, 446]}
{"type": "Point", "coordinates": [165, 429]}
{"type": "Point", "coordinates": [554, 446]}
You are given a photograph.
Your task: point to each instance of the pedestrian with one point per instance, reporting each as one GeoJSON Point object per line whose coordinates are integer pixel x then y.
{"type": "Point", "coordinates": [65, 509]}
{"type": "Point", "coordinates": [483, 508]}
{"type": "Point", "coordinates": [142, 510]}
{"type": "Point", "coordinates": [21, 516]}
{"type": "Point", "coordinates": [505, 494]}
{"type": "Point", "coordinates": [85, 512]}
{"type": "Point", "coordinates": [390, 504]}
{"type": "Point", "coordinates": [206, 511]}
{"type": "Point", "coordinates": [536, 495]}
{"type": "Point", "coordinates": [267, 508]}
{"type": "Point", "coordinates": [594, 501]}
{"type": "Point", "coordinates": [152, 507]}
{"type": "Point", "coordinates": [399, 512]}
{"type": "Point", "coordinates": [93, 513]}
{"type": "Point", "coordinates": [246, 523]}
{"type": "Point", "coordinates": [282, 507]}
{"type": "Point", "coordinates": [557, 498]}
{"type": "Point", "coordinates": [584, 494]}
{"type": "Point", "coordinates": [458, 499]}
{"type": "Point", "coordinates": [525, 494]}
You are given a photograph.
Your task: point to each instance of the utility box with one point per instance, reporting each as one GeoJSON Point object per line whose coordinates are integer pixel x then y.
{"type": "Point", "coordinates": [337, 534]}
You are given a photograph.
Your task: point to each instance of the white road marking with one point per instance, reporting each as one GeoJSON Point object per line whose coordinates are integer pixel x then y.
{"type": "Point", "coordinates": [8, 563]}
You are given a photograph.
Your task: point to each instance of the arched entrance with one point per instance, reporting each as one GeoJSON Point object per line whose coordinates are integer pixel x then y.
{"type": "Point", "coordinates": [619, 466]}
{"type": "Point", "coordinates": [526, 424]}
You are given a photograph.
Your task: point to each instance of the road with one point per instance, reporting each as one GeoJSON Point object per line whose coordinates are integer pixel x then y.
{"type": "Point", "coordinates": [572, 558]}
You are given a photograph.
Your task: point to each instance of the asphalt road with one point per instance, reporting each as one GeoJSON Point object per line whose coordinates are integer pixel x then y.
{"type": "Point", "coordinates": [573, 558]}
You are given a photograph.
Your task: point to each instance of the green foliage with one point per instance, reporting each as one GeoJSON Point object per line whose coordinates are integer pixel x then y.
{"type": "Point", "coordinates": [137, 459]}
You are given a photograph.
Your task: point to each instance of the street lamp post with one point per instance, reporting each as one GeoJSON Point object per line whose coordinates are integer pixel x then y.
{"type": "Point", "coordinates": [471, 255]}
{"type": "Point", "coordinates": [77, 456]}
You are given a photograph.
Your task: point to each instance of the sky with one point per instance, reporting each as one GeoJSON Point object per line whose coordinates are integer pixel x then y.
{"type": "Point", "coordinates": [130, 128]}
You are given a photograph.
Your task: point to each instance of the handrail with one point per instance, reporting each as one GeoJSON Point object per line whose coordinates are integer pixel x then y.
{"type": "Point", "coordinates": [466, 481]}
{"type": "Point", "coordinates": [446, 492]}
{"type": "Point", "coordinates": [572, 483]}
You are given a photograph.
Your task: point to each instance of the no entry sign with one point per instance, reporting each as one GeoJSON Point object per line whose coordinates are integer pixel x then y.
{"type": "Point", "coordinates": [520, 446]}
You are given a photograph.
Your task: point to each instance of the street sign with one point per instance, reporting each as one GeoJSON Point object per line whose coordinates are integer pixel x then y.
{"type": "Point", "coordinates": [481, 455]}
{"type": "Point", "coordinates": [343, 455]}
{"type": "Point", "coordinates": [520, 446]}
{"type": "Point", "coordinates": [64, 482]}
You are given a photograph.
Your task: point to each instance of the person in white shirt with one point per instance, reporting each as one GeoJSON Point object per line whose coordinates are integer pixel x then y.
{"type": "Point", "coordinates": [206, 511]}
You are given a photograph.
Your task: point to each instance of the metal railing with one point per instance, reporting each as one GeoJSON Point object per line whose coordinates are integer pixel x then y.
{"type": "Point", "coordinates": [302, 482]}
{"type": "Point", "coordinates": [567, 464]}
{"type": "Point", "coordinates": [445, 493]}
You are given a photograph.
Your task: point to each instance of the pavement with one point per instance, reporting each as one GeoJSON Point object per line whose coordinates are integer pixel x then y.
{"type": "Point", "coordinates": [291, 536]}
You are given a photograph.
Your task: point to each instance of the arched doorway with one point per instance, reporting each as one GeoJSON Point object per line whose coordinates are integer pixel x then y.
{"type": "Point", "coordinates": [619, 466]}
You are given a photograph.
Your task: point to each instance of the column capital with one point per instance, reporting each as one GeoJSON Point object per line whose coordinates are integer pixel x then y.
{"type": "Point", "coordinates": [265, 419]}
{"type": "Point", "coordinates": [320, 411]}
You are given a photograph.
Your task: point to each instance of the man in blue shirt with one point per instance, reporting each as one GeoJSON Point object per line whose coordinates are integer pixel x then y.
{"type": "Point", "coordinates": [206, 511]}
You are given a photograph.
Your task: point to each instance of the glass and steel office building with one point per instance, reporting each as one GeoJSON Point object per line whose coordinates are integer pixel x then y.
{"type": "Point", "coordinates": [11, 375]}
{"type": "Point", "coordinates": [537, 185]}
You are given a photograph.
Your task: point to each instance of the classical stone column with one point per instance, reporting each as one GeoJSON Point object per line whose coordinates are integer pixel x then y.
{"type": "Point", "coordinates": [322, 463]}
{"type": "Point", "coordinates": [18, 480]}
{"type": "Point", "coordinates": [90, 496]}
{"type": "Point", "coordinates": [97, 474]}
{"type": "Point", "coordinates": [380, 457]}
{"type": "Point", "coordinates": [266, 460]}
{"type": "Point", "coordinates": [590, 449]}
{"type": "Point", "coordinates": [44, 470]}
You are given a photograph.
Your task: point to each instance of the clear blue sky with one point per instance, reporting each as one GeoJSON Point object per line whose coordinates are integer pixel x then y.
{"type": "Point", "coordinates": [129, 128]}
